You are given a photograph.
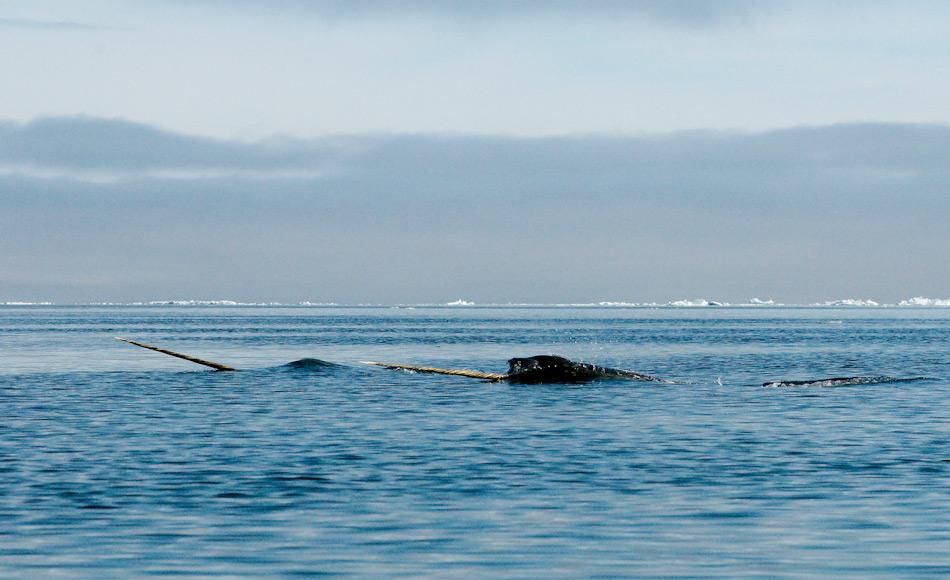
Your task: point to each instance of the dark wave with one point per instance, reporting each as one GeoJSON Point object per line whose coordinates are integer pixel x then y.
{"type": "Point", "coordinates": [842, 381]}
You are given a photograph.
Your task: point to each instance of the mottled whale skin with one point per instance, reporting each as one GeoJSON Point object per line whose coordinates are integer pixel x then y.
{"type": "Point", "coordinates": [557, 369]}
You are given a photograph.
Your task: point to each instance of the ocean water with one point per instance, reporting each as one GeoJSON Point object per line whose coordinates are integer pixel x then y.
{"type": "Point", "coordinates": [117, 461]}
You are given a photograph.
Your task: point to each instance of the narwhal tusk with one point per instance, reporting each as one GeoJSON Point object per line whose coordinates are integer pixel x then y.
{"type": "Point", "coordinates": [438, 371]}
{"type": "Point", "coordinates": [214, 365]}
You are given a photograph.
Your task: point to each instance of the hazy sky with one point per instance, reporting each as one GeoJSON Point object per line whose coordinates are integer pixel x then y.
{"type": "Point", "coordinates": [524, 151]}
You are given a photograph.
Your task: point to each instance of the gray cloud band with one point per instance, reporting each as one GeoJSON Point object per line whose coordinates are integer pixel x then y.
{"type": "Point", "coordinates": [679, 12]}
{"type": "Point", "coordinates": [108, 150]}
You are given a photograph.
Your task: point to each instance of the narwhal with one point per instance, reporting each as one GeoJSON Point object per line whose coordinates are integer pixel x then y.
{"type": "Point", "coordinates": [529, 370]}
{"type": "Point", "coordinates": [553, 369]}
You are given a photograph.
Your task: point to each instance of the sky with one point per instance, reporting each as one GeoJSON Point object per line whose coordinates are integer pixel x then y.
{"type": "Point", "coordinates": [501, 151]}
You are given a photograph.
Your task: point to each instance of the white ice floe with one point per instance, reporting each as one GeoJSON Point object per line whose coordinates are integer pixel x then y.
{"type": "Point", "coordinates": [921, 301]}
{"type": "Point", "coordinates": [192, 303]}
{"type": "Point", "coordinates": [848, 302]}
{"type": "Point", "coordinates": [692, 303]}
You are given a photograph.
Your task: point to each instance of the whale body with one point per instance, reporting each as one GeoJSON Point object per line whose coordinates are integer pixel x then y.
{"type": "Point", "coordinates": [537, 369]}
{"type": "Point", "coordinates": [557, 369]}
{"type": "Point", "coordinates": [529, 370]}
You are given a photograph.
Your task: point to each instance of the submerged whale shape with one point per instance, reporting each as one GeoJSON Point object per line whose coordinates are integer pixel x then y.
{"type": "Point", "coordinates": [842, 381]}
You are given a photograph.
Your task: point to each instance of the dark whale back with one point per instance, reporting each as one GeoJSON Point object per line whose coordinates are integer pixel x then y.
{"type": "Point", "coordinates": [312, 364]}
{"type": "Point", "coordinates": [557, 369]}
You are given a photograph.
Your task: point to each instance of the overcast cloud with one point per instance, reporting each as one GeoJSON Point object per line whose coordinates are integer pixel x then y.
{"type": "Point", "coordinates": [255, 69]}
{"type": "Point", "coordinates": [795, 215]}
{"type": "Point", "coordinates": [426, 151]}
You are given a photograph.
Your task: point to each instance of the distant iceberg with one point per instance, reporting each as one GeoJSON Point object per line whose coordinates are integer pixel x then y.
{"type": "Point", "coordinates": [848, 302]}
{"type": "Point", "coordinates": [207, 303]}
{"type": "Point", "coordinates": [921, 301]}
{"type": "Point", "coordinates": [698, 302]}
{"type": "Point", "coordinates": [758, 302]}
{"type": "Point", "coordinates": [192, 303]}
{"type": "Point", "coordinates": [916, 302]}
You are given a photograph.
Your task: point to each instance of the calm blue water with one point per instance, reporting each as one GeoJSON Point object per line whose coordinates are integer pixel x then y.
{"type": "Point", "coordinates": [116, 461]}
